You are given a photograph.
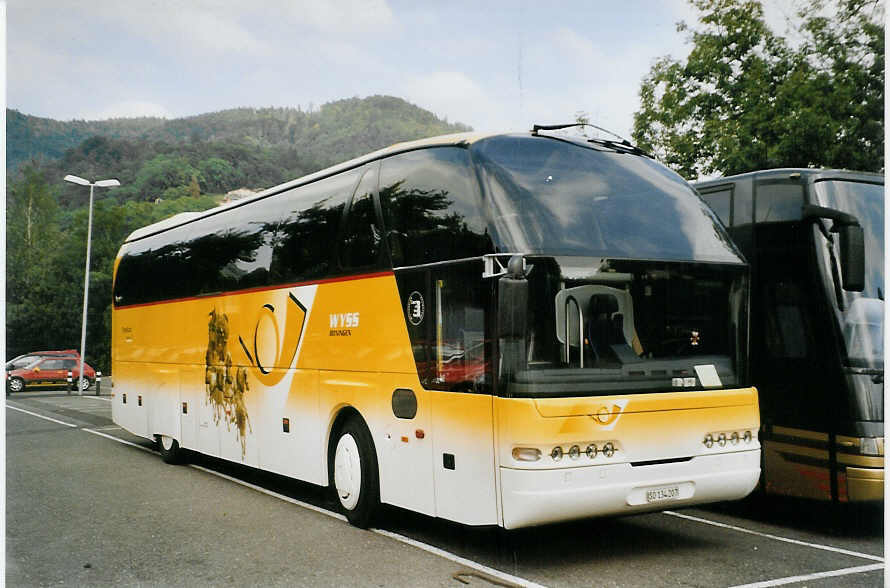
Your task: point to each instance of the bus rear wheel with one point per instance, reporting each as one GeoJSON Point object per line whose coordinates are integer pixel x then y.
{"type": "Point", "coordinates": [352, 467]}
{"type": "Point", "coordinates": [170, 450]}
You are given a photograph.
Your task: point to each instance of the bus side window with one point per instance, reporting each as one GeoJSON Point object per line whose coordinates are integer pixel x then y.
{"type": "Point", "coordinates": [362, 235]}
{"type": "Point", "coordinates": [778, 202]}
{"type": "Point", "coordinates": [720, 202]}
{"type": "Point", "coordinates": [305, 226]}
{"type": "Point", "coordinates": [459, 350]}
{"type": "Point", "coordinates": [445, 312]}
{"type": "Point", "coordinates": [742, 204]}
{"type": "Point", "coordinates": [431, 207]}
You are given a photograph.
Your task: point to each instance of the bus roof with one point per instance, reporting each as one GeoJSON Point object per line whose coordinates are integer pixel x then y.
{"type": "Point", "coordinates": [439, 141]}
{"type": "Point", "coordinates": [810, 174]}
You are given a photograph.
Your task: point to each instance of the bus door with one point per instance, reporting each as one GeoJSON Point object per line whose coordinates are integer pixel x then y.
{"type": "Point", "coordinates": [448, 318]}
{"type": "Point", "coordinates": [791, 348]}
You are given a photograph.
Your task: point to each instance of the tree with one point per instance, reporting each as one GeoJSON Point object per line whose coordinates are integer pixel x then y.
{"type": "Point", "coordinates": [219, 175]}
{"type": "Point", "coordinates": [30, 212]}
{"type": "Point", "coordinates": [744, 99]}
{"type": "Point", "coordinates": [162, 173]}
{"type": "Point", "coordinates": [36, 307]}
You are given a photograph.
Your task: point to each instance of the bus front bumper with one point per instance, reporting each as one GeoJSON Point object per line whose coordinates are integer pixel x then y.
{"type": "Point", "coordinates": [534, 497]}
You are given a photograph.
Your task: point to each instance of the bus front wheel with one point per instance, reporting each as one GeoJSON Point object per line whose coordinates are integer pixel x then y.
{"type": "Point", "coordinates": [353, 473]}
{"type": "Point", "coordinates": [170, 450]}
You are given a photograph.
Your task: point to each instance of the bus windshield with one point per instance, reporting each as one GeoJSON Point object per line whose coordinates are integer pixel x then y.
{"type": "Point", "coordinates": [599, 327]}
{"type": "Point", "coordinates": [863, 312]}
{"type": "Point", "coordinates": [558, 197]}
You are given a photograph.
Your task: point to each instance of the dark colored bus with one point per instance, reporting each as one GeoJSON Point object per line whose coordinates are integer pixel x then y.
{"type": "Point", "coordinates": [815, 243]}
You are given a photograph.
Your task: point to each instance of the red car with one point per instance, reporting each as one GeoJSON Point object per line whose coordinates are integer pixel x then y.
{"type": "Point", "coordinates": [49, 370]}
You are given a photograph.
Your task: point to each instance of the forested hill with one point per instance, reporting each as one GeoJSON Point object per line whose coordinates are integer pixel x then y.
{"type": "Point", "coordinates": [31, 137]}
{"type": "Point", "coordinates": [318, 138]}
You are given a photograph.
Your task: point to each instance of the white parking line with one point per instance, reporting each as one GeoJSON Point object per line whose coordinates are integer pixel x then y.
{"type": "Point", "coordinates": [102, 398]}
{"type": "Point", "coordinates": [119, 440]}
{"type": "Point", "coordinates": [262, 490]}
{"type": "Point", "coordinates": [775, 537]}
{"type": "Point", "coordinates": [460, 560]}
{"type": "Point", "coordinates": [46, 418]}
{"type": "Point", "coordinates": [816, 576]}
{"type": "Point", "coordinates": [503, 576]}
{"type": "Point", "coordinates": [428, 548]}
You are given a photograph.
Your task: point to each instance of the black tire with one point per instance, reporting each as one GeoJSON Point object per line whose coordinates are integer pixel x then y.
{"type": "Point", "coordinates": [362, 510]}
{"type": "Point", "coordinates": [170, 450]}
{"type": "Point", "coordinates": [15, 385]}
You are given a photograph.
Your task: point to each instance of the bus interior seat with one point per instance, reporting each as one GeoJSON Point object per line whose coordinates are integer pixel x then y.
{"type": "Point", "coordinates": [605, 332]}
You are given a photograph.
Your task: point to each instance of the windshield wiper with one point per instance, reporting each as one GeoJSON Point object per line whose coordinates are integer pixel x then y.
{"type": "Point", "coordinates": [623, 146]}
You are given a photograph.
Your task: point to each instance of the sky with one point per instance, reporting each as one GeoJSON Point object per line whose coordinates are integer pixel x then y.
{"type": "Point", "coordinates": [494, 65]}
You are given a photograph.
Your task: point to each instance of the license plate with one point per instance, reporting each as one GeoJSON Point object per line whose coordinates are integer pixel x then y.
{"type": "Point", "coordinates": [663, 493]}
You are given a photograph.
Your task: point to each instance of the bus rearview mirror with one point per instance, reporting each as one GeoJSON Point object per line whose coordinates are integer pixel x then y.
{"type": "Point", "coordinates": [512, 305]}
{"type": "Point", "coordinates": [851, 244]}
{"type": "Point", "coordinates": [852, 253]}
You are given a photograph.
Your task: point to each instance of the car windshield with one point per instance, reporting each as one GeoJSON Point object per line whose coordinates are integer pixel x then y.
{"type": "Point", "coordinates": [863, 312]}
{"type": "Point", "coordinates": [21, 361]}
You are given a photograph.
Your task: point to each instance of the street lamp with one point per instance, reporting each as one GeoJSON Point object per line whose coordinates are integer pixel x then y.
{"type": "Point", "coordinates": [86, 277]}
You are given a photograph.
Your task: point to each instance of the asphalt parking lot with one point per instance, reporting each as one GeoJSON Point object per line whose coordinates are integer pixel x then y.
{"type": "Point", "coordinates": [81, 491]}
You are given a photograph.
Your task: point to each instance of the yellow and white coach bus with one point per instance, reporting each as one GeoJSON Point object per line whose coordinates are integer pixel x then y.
{"type": "Point", "coordinates": [491, 329]}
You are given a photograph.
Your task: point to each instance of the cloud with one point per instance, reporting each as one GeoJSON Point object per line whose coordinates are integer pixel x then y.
{"type": "Point", "coordinates": [454, 95]}
{"type": "Point", "coordinates": [577, 48]}
{"type": "Point", "coordinates": [199, 25]}
{"type": "Point", "coordinates": [338, 17]}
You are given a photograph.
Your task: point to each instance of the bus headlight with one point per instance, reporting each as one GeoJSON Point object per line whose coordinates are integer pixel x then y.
{"type": "Point", "coordinates": [609, 449]}
{"type": "Point", "coordinates": [591, 451]}
{"type": "Point", "coordinates": [526, 453]}
{"type": "Point", "coordinates": [556, 454]}
{"type": "Point", "coordinates": [574, 452]}
{"type": "Point", "coordinates": [724, 438]}
{"type": "Point", "coordinates": [871, 446]}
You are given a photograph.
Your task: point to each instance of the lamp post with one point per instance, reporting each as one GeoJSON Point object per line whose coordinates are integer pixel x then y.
{"type": "Point", "coordinates": [86, 277]}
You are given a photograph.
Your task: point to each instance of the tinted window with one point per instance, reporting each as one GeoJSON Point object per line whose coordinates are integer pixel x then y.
{"type": "Point", "coordinates": [556, 197]}
{"type": "Point", "coordinates": [720, 202]}
{"type": "Point", "coordinates": [281, 239]}
{"type": "Point", "coordinates": [742, 203]}
{"type": "Point", "coordinates": [362, 236]}
{"type": "Point", "coordinates": [431, 207]}
{"type": "Point", "coordinates": [51, 364]}
{"type": "Point", "coordinates": [779, 202]}
{"type": "Point", "coordinates": [445, 312]}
